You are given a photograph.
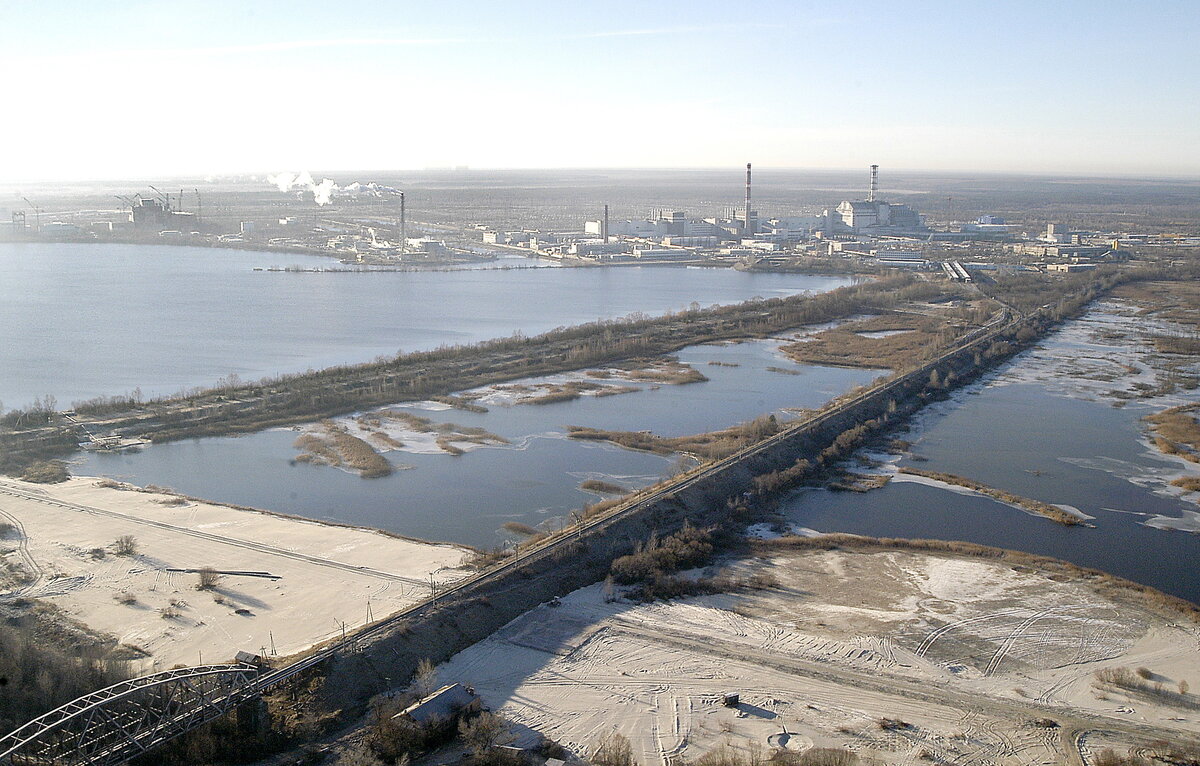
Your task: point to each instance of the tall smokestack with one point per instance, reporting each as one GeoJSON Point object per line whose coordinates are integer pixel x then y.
{"type": "Point", "coordinates": [403, 227]}
{"type": "Point", "coordinates": [749, 228]}
{"type": "Point", "coordinates": [874, 183]}
{"type": "Point", "coordinates": [604, 226]}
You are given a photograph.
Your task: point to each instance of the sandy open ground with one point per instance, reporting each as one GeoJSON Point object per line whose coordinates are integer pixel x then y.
{"type": "Point", "coordinates": [61, 550]}
{"type": "Point", "coordinates": [967, 653]}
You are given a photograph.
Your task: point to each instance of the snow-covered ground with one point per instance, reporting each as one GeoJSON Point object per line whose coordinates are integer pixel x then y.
{"type": "Point", "coordinates": [63, 535]}
{"type": "Point", "coordinates": [966, 651]}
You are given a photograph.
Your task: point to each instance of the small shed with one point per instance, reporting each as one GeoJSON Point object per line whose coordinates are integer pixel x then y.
{"type": "Point", "coordinates": [444, 705]}
{"type": "Point", "coordinates": [730, 699]}
{"type": "Point", "coordinates": [249, 658]}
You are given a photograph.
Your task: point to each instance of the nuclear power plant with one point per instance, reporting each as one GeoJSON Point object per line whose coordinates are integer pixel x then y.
{"type": "Point", "coordinates": [739, 230]}
{"type": "Point", "coordinates": [871, 214]}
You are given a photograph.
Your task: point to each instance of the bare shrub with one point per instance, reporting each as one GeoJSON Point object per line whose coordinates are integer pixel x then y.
{"type": "Point", "coordinates": [425, 678]}
{"type": "Point", "coordinates": [1122, 677]}
{"type": "Point", "coordinates": [126, 597]}
{"type": "Point", "coordinates": [1145, 673]}
{"type": "Point", "coordinates": [613, 750]}
{"type": "Point", "coordinates": [484, 733]}
{"type": "Point", "coordinates": [208, 579]}
{"type": "Point", "coordinates": [688, 547]}
{"type": "Point", "coordinates": [46, 472]}
{"type": "Point", "coordinates": [761, 581]}
{"type": "Point", "coordinates": [817, 756]}
{"type": "Point", "coordinates": [358, 754]}
{"type": "Point", "coordinates": [126, 545]}
{"type": "Point", "coordinates": [1110, 757]}
{"type": "Point", "coordinates": [727, 755]}
{"type": "Point", "coordinates": [40, 673]}
{"type": "Point", "coordinates": [394, 739]}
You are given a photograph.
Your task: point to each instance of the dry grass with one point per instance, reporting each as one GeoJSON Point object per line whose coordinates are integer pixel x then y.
{"type": "Point", "coordinates": [517, 528]}
{"type": "Point", "coordinates": [335, 446]}
{"type": "Point", "coordinates": [844, 346]}
{"type": "Point", "coordinates": [595, 509]}
{"type": "Point", "coordinates": [666, 370]}
{"type": "Point", "coordinates": [1189, 483]}
{"type": "Point", "coordinates": [446, 446]}
{"type": "Point", "coordinates": [565, 392]}
{"type": "Point", "coordinates": [386, 441]}
{"type": "Point", "coordinates": [1175, 301]}
{"type": "Point", "coordinates": [46, 472]}
{"type": "Point", "coordinates": [850, 481]}
{"type": "Point", "coordinates": [459, 403]}
{"type": "Point", "coordinates": [1177, 432]}
{"type": "Point", "coordinates": [448, 433]}
{"type": "Point", "coordinates": [411, 421]}
{"type": "Point", "coordinates": [603, 487]}
{"type": "Point", "coordinates": [1036, 506]}
{"type": "Point", "coordinates": [615, 390]}
{"type": "Point", "coordinates": [708, 446]}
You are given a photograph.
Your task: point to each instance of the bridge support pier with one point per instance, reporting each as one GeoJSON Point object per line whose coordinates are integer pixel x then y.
{"type": "Point", "coordinates": [251, 716]}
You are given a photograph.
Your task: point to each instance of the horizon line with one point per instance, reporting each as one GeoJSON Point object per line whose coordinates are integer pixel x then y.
{"type": "Point", "coordinates": [466, 169]}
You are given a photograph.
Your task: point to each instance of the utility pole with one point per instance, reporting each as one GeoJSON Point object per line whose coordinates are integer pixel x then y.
{"type": "Point", "coordinates": [403, 227]}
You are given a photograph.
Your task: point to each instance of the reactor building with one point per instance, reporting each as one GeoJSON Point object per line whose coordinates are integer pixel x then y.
{"type": "Point", "coordinates": [872, 215]}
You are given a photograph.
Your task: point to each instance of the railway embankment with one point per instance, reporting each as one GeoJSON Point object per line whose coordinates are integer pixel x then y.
{"type": "Point", "coordinates": [711, 494]}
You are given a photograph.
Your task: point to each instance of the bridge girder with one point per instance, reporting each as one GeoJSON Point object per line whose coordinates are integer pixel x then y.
{"type": "Point", "coordinates": [114, 724]}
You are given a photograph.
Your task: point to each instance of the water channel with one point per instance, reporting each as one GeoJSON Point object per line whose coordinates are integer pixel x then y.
{"type": "Point", "coordinates": [1057, 425]}
{"type": "Point", "coordinates": [533, 480]}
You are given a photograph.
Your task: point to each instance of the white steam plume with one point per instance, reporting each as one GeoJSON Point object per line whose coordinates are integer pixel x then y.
{"type": "Point", "coordinates": [324, 192]}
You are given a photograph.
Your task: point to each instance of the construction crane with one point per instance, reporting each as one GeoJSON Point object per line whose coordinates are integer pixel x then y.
{"type": "Point", "coordinates": [165, 199]}
{"type": "Point", "coordinates": [37, 215]}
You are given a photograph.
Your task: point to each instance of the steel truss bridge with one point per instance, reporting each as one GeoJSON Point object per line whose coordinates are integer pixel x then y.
{"type": "Point", "coordinates": [114, 724]}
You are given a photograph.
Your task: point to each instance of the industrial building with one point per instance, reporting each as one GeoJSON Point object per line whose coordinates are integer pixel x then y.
{"type": "Point", "coordinates": [158, 215]}
{"type": "Point", "coordinates": [871, 215]}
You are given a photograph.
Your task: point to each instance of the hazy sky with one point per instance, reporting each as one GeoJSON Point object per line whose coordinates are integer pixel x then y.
{"type": "Point", "coordinates": [118, 89]}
